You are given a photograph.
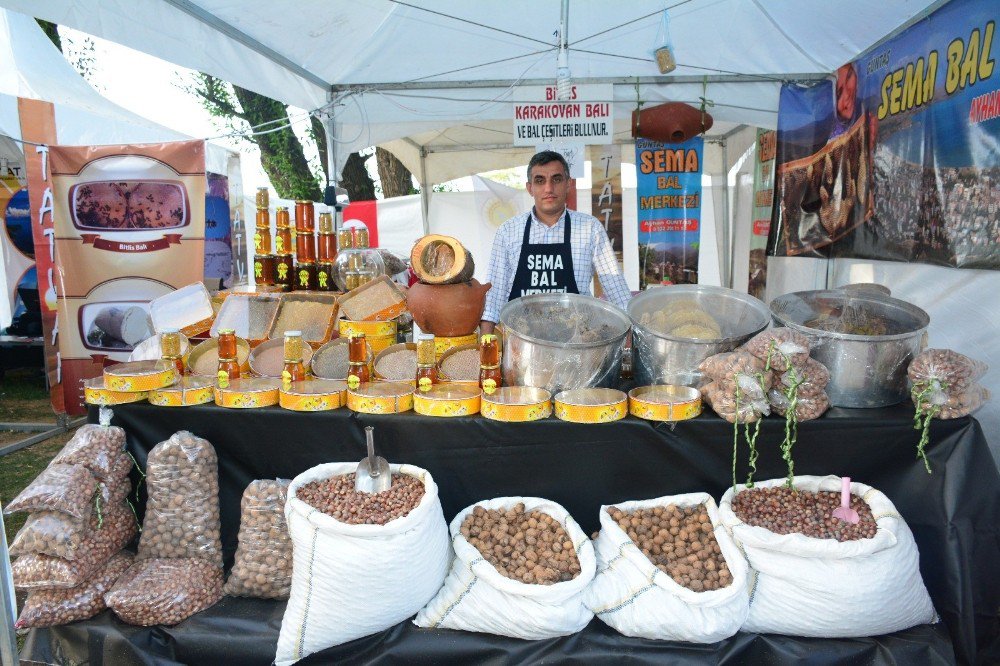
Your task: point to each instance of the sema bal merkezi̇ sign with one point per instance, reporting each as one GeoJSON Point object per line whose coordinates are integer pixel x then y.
{"type": "Point", "coordinates": [586, 118]}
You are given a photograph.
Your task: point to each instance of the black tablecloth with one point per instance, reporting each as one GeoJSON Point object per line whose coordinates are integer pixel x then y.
{"type": "Point", "coordinates": [954, 514]}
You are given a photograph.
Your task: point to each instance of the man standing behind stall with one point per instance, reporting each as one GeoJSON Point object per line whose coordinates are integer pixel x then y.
{"type": "Point", "coordinates": [552, 248]}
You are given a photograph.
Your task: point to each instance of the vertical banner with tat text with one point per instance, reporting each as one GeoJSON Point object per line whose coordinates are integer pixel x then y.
{"type": "Point", "coordinates": [668, 188]}
{"type": "Point", "coordinates": [606, 192]}
{"type": "Point", "coordinates": [763, 198]}
{"type": "Point", "coordinates": [129, 228]}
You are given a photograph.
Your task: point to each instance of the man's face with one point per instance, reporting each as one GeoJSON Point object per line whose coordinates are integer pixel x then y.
{"type": "Point", "coordinates": [549, 185]}
{"type": "Point", "coordinates": [847, 91]}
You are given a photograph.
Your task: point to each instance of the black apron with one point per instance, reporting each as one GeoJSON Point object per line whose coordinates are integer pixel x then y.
{"type": "Point", "coordinates": [544, 267]}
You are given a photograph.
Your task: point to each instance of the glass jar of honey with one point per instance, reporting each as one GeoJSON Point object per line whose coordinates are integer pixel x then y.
{"type": "Point", "coordinates": [305, 276]}
{"type": "Point", "coordinates": [281, 218]}
{"type": "Point", "coordinates": [263, 218]}
{"type": "Point", "coordinates": [345, 239]}
{"type": "Point", "coordinates": [170, 349]}
{"type": "Point", "coordinates": [294, 367]}
{"type": "Point", "coordinates": [305, 219]}
{"type": "Point", "coordinates": [305, 246]}
{"type": "Point", "coordinates": [357, 356]}
{"type": "Point", "coordinates": [264, 269]}
{"type": "Point", "coordinates": [228, 362]}
{"type": "Point", "coordinates": [324, 276]}
{"type": "Point", "coordinates": [490, 376]}
{"type": "Point", "coordinates": [262, 197]}
{"type": "Point", "coordinates": [284, 271]}
{"type": "Point", "coordinates": [262, 241]}
{"type": "Point", "coordinates": [427, 372]}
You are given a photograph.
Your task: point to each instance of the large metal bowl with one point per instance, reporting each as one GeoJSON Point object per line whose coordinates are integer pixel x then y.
{"type": "Point", "coordinates": [562, 341]}
{"type": "Point", "coordinates": [866, 340]}
{"type": "Point", "coordinates": [660, 358]}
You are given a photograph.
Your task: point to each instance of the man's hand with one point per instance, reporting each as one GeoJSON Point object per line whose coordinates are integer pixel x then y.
{"type": "Point", "coordinates": [486, 327]}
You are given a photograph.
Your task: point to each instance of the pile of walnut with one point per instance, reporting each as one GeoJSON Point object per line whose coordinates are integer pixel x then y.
{"type": "Point", "coordinates": [530, 547]}
{"type": "Point", "coordinates": [680, 542]}
{"type": "Point", "coordinates": [754, 380]}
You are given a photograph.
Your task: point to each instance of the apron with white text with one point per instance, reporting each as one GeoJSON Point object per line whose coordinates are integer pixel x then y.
{"type": "Point", "coordinates": [544, 267]}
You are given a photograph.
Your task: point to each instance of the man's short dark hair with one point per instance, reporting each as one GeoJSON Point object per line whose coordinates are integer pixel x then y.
{"type": "Point", "coordinates": [545, 157]}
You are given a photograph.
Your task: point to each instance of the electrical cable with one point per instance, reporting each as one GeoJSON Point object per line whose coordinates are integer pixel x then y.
{"type": "Point", "coordinates": [471, 22]}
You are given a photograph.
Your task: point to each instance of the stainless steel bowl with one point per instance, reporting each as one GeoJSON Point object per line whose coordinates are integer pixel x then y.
{"type": "Point", "coordinates": [660, 358]}
{"type": "Point", "coordinates": [866, 340]}
{"type": "Point", "coordinates": [562, 341]}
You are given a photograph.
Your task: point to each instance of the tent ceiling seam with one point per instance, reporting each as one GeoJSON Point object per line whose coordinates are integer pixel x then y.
{"type": "Point", "coordinates": [229, 30]}
{"type": "Point", "coordinates": [788, 37]}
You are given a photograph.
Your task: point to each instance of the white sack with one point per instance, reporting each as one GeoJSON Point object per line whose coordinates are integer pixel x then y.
{"type": "Point", "coordinates": [476, 597]}
{"type": "Point", "coordinates": [634, 596]}
{"type": "Point", "coordinates": [824, 588]}
{"type": "Point", "coordinates": [350, 581]}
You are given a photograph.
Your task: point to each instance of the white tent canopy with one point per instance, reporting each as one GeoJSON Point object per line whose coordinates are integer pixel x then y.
{"type": "Point", "coordinates": [396, 69]}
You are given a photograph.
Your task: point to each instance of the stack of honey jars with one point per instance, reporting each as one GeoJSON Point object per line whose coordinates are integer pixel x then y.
{"type": "Point", "coordinates": [305, 246]}
{"type": "Point", "coordinates": [263, 260]}
{"type": "Point", "coordinates": [325, 262]}
{"type": "Point", "coordinates": [284, 272]}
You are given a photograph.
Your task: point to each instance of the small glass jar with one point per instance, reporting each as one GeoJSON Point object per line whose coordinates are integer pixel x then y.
{"type": "Point", "coordinates": [264, 269]}
{"type": "Point", "coordinates": [305, 246]}
{"type": "Point", "coordinates": [360, 237]}
{"type": "Point", "coordinates": [284, 271]}
{"type": "Point", "coordinates": [281, 218]}
{"type": "Point", "coordinates": [345, 239]}
{"type": "Point", "coordinates": [262, 197]}
{"type": "Point", "coordinates": [324, 276]}
{"type": "Point", "coordinates": [263, 218]}
{"type": "Point", "coordinates": [305, 276]}
{"type": "Point", "coordinates": [294, 366]}
{"type": "Point", "coordinates": [305, 219]}
{"type": "Point", "coordinates": [326, 247]}
{"type": "Point", "coordinates": [262, 241]}
{"type": "Point", "coordinates": [326, 223]}
{"type": "Point", "coordinates": [282, 241]}
{"type": "Point", "coordinates": [427, 373]}
{"type": "Point", "coordinates": [227, 343]}
{"type": "Point", "coordinates": [170, 349]}
{"type": "Point", "coordinates": [490, 376]}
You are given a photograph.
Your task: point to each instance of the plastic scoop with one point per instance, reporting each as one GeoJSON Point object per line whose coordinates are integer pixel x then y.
{"type": "Point", "coordinates": [373, 474]}
{"type": "Point", "coordinates": [844, 511]}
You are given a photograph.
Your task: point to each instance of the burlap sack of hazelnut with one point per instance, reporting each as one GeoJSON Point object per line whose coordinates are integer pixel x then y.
{"type": "Point", "coordinates": [827, 588]}
{"type": "Point", "coordinates": [351, 579]}
{"type": "Point", "coordinates": [672, 573]}
{"type": "Point", "coordinates": [521, 567]}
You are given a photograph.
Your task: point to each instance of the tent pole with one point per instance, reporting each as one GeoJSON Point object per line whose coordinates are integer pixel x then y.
{"type": "Point", "coordinates": [727, 259]}
{"type": "Point", "coordinates": [330, 129]}
{"type": "Point", "coordinates": [425, 192]}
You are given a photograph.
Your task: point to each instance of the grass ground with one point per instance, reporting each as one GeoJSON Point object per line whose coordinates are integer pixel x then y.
{"type": "Point", "coordinates": [24, 399]}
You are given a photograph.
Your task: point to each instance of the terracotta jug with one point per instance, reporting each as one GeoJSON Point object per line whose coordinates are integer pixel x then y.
{"type": "Point", "coordinates": [447, 310]}
{"type": "Point", "coordinates": [672, 122]}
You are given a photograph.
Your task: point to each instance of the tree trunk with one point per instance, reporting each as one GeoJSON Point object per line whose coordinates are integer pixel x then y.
{"type": "Point", "coordinates": [355, 179]}
{"type": "Point", "coordinates": [51, 31]}
{"type": "Point", "coordinates": [281, 152]}
{"type": "Point", "coordinates": [319, 136]}
{"type": "Point", "coordinates": [396, 178]}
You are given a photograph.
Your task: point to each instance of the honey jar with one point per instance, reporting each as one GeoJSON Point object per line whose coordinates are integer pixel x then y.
{"type": "Point", "coordinates": [262, 197]}
{"type": "Point", "coordinates": [305, 276]}
{"type": "Point", "coordinates": [305, 247]}
{"type": "Point", "coordinates": [304, 216]}
{"type": "Point", "coordinates": [284, 271]}
{"type": "Point", "coordinates": [324, 276]}
{"type": "Point", "coordinates": [264, 269]}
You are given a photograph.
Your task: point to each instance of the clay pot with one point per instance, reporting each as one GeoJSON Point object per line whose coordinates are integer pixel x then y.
{"type": "Point", "coordinates": [673, 122]}
{"type": "Point", "coordinates": [447, 310]}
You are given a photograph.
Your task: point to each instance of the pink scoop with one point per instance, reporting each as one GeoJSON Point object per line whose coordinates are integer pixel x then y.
{"type": "Point", "coordinates": [844, 511]}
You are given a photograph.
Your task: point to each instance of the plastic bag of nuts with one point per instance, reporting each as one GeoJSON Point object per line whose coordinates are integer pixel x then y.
{"type": "Point", "coordinates": [182, 509]}
{"type": "Point", "coordinates": [955, 405]}
{"type": "Point", "coordinates": [676, 544]}
{"type": "Point", "coordinates": [59, 535]}
{"type": "Point", "coordinates": [806, 586]}
{"type": "Point", "coordinates": [952, 371]}
{"type": "Point", "coordinates": [501, 602]}
{"type": "Point", "coordinates": [47, 608]}
{"type": "Point", "coordinates": [68, 489]}
{"type": "Point", "coordinates": [812, 378]}
{"type": "Point", "coordinates": [352, 580]}
{"type": "Point", "coordinates": [263, 566]}
{"type": "Point", "coordinates": [96, 447]}
{"type": "Point", "coordinates": [725, 404]}
{"type": "Point", "coordinates": [728, 364]}
{"type": "Point", "coordinates": [165, 591]}
{"type": "Point", "coordinates": [806, 408]}
{"type": "Point", "coordinates": [788, 344]}
{"type": "Point", "coordinates": [39, 572]}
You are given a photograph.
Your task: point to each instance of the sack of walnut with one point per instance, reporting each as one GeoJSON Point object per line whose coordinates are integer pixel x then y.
{"type": "Point", "coordinates": [944, 383]}
{"type": "Point", "coordinates": [352, 580]}
{"type": "Point", "coordinates": [682, 577]}
{"type": "Point", "coordinates": [182, 509]}
{"type": "Point", "coordinates": [806, 408]}
{"type": "Point", "coordinates": [97, 447]}
{"type": "Point", "coordinates": [490, 592]}
{"type": "Point", "coordinates": [165, 591]}
{"type": "Point", "coordinates": [808, 586]}
{"type": "Point", "coordinates": [47, 608]}
{"type": "Point", "coordinates": [263, 566]}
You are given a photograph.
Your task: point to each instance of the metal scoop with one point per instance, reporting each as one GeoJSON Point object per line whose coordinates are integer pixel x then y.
{"type": "Point", "coordinates": [844, 511]}
{"type": "Point", "coordinates": [373, 474]}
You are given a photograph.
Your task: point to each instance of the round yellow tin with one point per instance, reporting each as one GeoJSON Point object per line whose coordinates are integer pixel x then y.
{"type": "Point", "coordinates": [447, 400]}
{"type": "Point", "coordinates": [378, 329]}
{"type": "Point", "coordinates": [139, 376]}
{"type": "Point", "coordinates": [247, 393]}
{"type": "Point", "coordinates": [517, 404]}
{"type": "Point", "coordinates": [664, 402]}
{"type": "Point", "coordinates": [442, 344]}
{"type": "Point", "coordinates": [314, 395]}
{"type": "Point", "coordinates": [591, 405]}
{"type": "Point", "coordinates": [94, 393]}
{"type": "Point", "coordinates": [380, 398]}
{"type": "Point", "coordinates": [190, 390]}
